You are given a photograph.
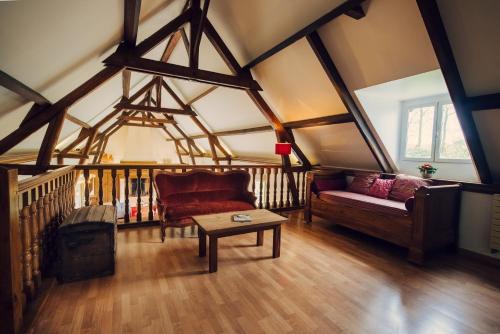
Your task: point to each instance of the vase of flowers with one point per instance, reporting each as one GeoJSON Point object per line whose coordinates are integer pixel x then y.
{"type": "Point", "coordinates": [427, 170]}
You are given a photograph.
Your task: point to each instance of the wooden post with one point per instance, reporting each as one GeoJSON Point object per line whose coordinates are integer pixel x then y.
{"type": "Point", "coordinates": [11, 296]}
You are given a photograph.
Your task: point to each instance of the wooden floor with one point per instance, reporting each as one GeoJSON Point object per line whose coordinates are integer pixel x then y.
{"type": "Point", "coordinates": [328, 280]}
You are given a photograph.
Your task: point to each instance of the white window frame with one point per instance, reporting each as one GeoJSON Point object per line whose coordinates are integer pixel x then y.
{"type": "Point", "coordinates": [437, 101]}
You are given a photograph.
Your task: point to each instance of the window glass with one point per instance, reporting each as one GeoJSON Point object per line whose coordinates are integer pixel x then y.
{"type": "Point", "coordinates": [420, 127]}
{"type": "Point", "coordinates": [452, 143]}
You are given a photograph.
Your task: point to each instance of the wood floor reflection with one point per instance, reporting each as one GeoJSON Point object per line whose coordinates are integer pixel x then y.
{"type": "Point", "coordinates": [327, 280]}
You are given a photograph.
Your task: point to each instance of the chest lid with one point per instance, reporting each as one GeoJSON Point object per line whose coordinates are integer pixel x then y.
{"type": "Point", "coordinates": [101, 217]}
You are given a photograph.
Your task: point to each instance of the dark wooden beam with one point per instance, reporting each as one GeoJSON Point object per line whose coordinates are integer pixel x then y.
{"type": "Point", "coordinates": [21, 89]}
{"type": "Point", "coordinates": [197, 22]}
{"type": "Point", "coordinates": [144, 125]}
{"type": "Point", "coordinates": [338, 83]}
{"type": "Point", "coordinates": [50, 139]}
{"type": "Point", "coordinates": [336, 12]}
{"type": "Point", "coordinates": [137, 107]}
{"type": "Point", "coordinates": [131, 21]}
{"type": "Point", "coordinates": [182, 72]}
{"type": "Point", "coordinates": [437, 34]}
{"type": "Point", "coordinates": [320, 121]}
{"type": "Point", "coordinates": [60, 106]}
{"type": "Point", "coordinates": [34, 110]}
{"type": "Point", "coordinates": [146, 119]}
{"type": "Point", "coordinates": [355, 12]}
{"type": "Point", "coordinates": [483, 102]}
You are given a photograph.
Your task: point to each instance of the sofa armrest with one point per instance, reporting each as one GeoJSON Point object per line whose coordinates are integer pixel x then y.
{"type": "Point", "coordinates": [311, 177]}
{"type": "Point", "coordinates": [435, 216]}
{"type": "Point", "coordinates": [249, 197]}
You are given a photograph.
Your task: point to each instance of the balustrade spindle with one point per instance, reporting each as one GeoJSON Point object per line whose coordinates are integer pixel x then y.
{"type": "Point", "coordinates": [282, 186]}
{"type": "Point", "coordinates": [288, 192]}
{"type": "Point", "coordinates": [87, 193]}
{"type": "Point", "coordinates": [253, 180]}
{"type": "Point", "coordinates": [42, 235]}
{"type": "Point", "coordinates": [303, 188]}
{"type": "Point", "coordinates": [29, 288]}
{"type": "Point", "coordinates": [150, 211]}
{"type": "Point", "coordinates": [99, 177]}
{"type": "Point", "coordinates": [268, 175]}
{"type": "Point", "coordinates": [126, 217]}
{"type": "Point", "coordinates": [35, 245]}
{"type": "Point", "coordinates": [275, 186]}
{"type": "Point", "coordinates": [261, 179]}
{"type": "Point", "coordinates": [113, 187]}
{"type": "Point", "coordinates": [47, 230]}
{"type": "Point", "coordinates": [53, 225]}
{"type": "Point", "coordinates": [139, 193]}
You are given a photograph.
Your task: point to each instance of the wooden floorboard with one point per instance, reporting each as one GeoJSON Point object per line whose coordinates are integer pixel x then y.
{"type": "Point", "coordinates": [327, 280]}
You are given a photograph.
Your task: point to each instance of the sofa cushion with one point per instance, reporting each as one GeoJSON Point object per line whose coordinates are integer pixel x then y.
{"type": "Point", "coordinates": [362, 182]}
{"type": "Point", "coordinates": [381, 188]}
{"type": "Point", "coordinates": [364, 202]}
{"type": "Point", "coordinates": [320, 185]}
{"type": "Point", "coordinates": [405, 185]}
{"type": "Point", "coordinates": [186, 210]}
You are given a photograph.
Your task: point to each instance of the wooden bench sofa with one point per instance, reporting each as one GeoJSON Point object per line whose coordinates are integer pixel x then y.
{"type": "Point", "coordinates": [424, 222]}
{"type": "Point", "coordinates": [199, 192]}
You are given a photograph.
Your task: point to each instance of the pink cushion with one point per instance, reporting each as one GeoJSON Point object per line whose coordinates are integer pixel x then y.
{"type": "Point", "coordinates": [364, 202]}
{"type": "Point", "coordinates": [404, 187]}
{"type": "Point", "coordinates": [381, 188]}
{"type": "Point", "coordinates": [362, 182]}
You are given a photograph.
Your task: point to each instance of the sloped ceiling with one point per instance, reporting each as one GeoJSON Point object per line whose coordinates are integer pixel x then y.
{"type": "Point", "coordinates": [55, 45]}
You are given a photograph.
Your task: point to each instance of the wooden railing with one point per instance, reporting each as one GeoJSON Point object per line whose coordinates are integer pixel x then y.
{"type": "Point", "coordinates": [112, 184]}
{"type": "Point", "coordinates": [32, 210]}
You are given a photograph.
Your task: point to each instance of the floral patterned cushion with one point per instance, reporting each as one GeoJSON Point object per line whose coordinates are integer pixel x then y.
{"type": "Point", "coordinates": [362, 182]}
{"type": "Point", "coordinates": [404, 187]}
{"type": "Point", "coordinates": [381, 188]}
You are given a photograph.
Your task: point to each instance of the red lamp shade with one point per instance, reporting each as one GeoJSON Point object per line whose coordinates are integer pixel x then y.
{"type": "Point", "coordinates": [283, 148]}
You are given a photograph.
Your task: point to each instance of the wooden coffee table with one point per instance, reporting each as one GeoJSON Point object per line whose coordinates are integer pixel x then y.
{"type": "Point", "coordinates": [220, 225]}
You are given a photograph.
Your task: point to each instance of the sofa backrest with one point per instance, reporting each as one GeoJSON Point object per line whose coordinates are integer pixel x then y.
{"type": "Point", "coordinates": [201, 186]}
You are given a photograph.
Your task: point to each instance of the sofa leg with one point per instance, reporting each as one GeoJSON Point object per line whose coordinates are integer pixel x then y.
{"type": "Point", "coordinates": [307, 216]}
{"type": "Point", "coordinates": [416, 256]}
{"type": "Point", "coordinates": [162, 231]}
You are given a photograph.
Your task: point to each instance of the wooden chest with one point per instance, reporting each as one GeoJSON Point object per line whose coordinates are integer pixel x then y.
{"type": "Point", "coordinates": [86, 243]}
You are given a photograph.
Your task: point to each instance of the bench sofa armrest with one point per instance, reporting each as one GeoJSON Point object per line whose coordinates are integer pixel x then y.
{"type": "Point", "coordinates": [435, 217]}
{"type": "Point", "coordinates": [311, 177]}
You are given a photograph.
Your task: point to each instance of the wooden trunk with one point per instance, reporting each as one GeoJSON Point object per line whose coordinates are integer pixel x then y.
{"type": "Point", "coordinates": [86, 243]}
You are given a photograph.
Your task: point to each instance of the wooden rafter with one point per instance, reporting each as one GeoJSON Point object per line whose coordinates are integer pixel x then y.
{"type": "Point", "coordinates": [197, 22]}
{"type": "Point", "coordinates": [336, 12]}
{"type": "Point", "coordinates": [146, 119]}
{"type": "Point", "coordinates": [21, 89]}
{"type": "Point", "coordinates": [439, 39]}
{"type": "Point", "coordinates": [77, 121]}
{"type": "Point", "coordinates": [136, 107]}
{"type": "Point", "coordinates": [355, 12]}
{"type": "Point", "coordinates": [131, 21]}
{"type": "Point", "coordinates": [338, 83]}
{"type": "Point", "coordinates": [155, 67]}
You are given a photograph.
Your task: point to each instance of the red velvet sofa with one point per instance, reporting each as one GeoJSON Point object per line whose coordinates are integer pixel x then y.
{"type": "Point", "coordinates": [426, 220]}
{"type": "Point", "coordinates": [199, 192]}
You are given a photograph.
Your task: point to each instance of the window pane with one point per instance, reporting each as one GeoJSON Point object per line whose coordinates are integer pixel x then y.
{"type": "Point", "coordinates": [419, 135]}
{"type": "Point", "coordinates": [452, 142]}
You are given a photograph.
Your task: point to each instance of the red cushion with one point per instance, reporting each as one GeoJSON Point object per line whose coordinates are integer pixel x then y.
{"type": "Point", "coordinates": [362, 182]}
{"type": "Point", "coordinates": [186, 210]}
{"type": "Point", "coordinates": [365, 202]}
{"type": "Point", "coordinates": [381, 188]}
{"type": "Point", "coordinates": [404, 187]}
{"type": "Point", "coordinates": [329, 184]}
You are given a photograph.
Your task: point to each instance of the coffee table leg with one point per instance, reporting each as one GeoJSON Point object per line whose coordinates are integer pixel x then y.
{"type": "Point", "coordinates": [276, 241]}
{"type": "Point", "coordinates": [212, 256]}
{"type": "Point", "coordinates": [260, 238]}
{"type": "Point", "coordinates": [202, 242]}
